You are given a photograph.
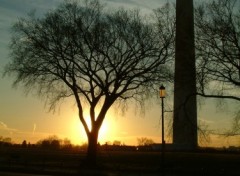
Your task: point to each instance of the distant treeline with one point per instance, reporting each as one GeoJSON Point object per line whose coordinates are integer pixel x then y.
{"type": "Point", "coordinates": [54, 142]}
{"type": "Point", "coordinates": [144, 144]}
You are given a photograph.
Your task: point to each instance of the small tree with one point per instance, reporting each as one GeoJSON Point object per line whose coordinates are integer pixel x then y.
{"type": "Point", "coordinates": [67, 143]}
{"type": "Point", "coordinates": [81, 51]}
{"type": "Point", "coordinates": [52, 142]}
{"type": "Point", "coordinates": [143, 141]}
{"type": "Point", "coordinates": [24, 144]}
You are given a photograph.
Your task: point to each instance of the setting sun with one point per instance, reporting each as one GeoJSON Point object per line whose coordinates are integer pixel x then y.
{"type": "Point", "coordinates": [78, 134]}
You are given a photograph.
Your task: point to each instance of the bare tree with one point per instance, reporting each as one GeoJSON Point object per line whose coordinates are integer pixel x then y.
{"type": "Point", "coordinates": [218, 49]}
{"type": "Point", "coordinates": [235, 128]}
{"type": "Point", "coordinates": [81, 51]}
{"type": "Point", "coordinates": [51, 142]}
{"type": "Point", "coordinates": [143, 141]}
{"type": "Point", "coordinates": [218, 52]}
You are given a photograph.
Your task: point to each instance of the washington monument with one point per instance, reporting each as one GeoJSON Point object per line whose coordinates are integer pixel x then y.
{"type": "Point", "coordinates": [185, 106]}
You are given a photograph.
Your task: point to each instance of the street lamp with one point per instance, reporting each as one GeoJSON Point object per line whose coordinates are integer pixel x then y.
{"type": "Point", "coordinates": [162, 96]}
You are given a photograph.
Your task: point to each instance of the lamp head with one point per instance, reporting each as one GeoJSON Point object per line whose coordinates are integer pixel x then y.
{"type": "Point", "coordinates": [162, 91]}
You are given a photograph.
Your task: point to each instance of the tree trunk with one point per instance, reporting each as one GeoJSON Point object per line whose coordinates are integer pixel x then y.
{"type": "Point", "coordinates": [92, 148]}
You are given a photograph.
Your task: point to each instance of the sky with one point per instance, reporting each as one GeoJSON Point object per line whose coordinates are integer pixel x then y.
{"type": "Point", "coordinates": [26, 117]}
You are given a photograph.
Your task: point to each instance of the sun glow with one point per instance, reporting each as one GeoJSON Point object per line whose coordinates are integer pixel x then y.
{"type": "Point", "coordinates": [78, 134]}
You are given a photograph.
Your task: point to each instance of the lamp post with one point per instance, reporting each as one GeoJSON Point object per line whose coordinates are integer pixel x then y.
{"type": "Point", "coordinates": [162, 96]}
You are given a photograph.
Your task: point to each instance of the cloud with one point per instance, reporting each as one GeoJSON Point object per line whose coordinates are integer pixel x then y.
{"type": "Point", "coordinates": [202, 120]}
{"type": "Point", "coordinates": [24, 6]}
{"type": "Point", "coordinates": [3, 125]}
{"type": "Point", "coordinates": [17, 135]}
{"type": "Point", "coordinates": [143, 5]}
{"type": "Point", "coordinates": [34, 128]}
{"type": "Point", "coordinates": [124, 133]}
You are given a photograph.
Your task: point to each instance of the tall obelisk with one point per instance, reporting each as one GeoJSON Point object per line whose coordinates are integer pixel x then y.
{"type": "Point", "coordinates": [185, 106]}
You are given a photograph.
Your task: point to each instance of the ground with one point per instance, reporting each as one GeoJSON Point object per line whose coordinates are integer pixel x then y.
{"type": "Point", "coordinates": [35, 161]}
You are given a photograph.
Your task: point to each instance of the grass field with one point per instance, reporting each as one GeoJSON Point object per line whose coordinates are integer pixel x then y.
{"type": "Point", "coordinates": [113, 163]}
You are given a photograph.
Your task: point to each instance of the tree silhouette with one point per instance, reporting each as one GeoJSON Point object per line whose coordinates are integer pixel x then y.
{"type": "Point", "coordinates": [94, 56]}
{"type": "Point", "coordinates": [218, 51]}
{"type": "Point", "coordinates": [143, 141]}
{"type": "Point", "coordinates": [24, 143]}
